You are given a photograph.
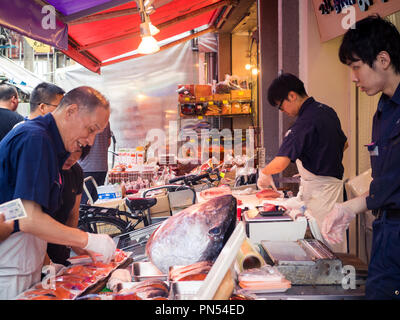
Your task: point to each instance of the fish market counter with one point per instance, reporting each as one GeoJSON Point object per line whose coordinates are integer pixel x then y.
{"type": "Point", "coordinates": [317, 292]}
{"type": "Point", "coordinates": [205, 253]}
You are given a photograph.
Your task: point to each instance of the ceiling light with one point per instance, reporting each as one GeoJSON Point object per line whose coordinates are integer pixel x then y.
{"type": "Point", "coordinates": [148, 45]}
{"type": "Point", "coordinates": [147, 30]}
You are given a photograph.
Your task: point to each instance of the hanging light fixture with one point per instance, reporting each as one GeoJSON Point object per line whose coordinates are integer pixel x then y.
{"type": "Point", "coordinates": [147, 30]}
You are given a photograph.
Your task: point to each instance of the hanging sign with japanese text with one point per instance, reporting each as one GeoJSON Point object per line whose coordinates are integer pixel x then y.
{"type": "Point", "coordinates": [335, 17]}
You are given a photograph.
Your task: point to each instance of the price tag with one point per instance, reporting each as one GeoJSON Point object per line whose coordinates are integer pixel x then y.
{"type": "Point", "coordinates": [13, 210]}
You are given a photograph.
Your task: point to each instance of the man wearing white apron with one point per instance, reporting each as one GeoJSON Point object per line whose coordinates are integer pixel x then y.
{"type": "Point", "coordinates": [315, 142]}
{"type": "Point", "coordinates": [31, 157]}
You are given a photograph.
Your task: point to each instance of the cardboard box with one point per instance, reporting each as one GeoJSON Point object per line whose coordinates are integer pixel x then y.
{"type": "Point", "coordinates": [221, 97]}
{"type": "Point", "coordinates": [202, 90]}
{"type": "Point", "coordinates": [240, 94]}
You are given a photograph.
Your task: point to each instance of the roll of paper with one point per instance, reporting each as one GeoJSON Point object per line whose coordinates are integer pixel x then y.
{"type": "Point", "coordinates": [248, 257]}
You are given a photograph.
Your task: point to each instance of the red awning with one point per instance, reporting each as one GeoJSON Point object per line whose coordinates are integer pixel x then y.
{"type": "Point", "coordinates": [99, 30]}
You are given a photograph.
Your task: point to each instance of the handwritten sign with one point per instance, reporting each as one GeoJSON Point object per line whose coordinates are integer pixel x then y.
{"type": "Point", "coordinates": [335, 17]}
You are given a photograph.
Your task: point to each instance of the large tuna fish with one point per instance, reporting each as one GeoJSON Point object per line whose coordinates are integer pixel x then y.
{"type": "Point", "coordinates": [197, 233]}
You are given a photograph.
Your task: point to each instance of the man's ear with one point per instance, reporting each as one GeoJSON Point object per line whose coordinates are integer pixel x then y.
{"type": "Point", "coordinates": [384, 59]}
{"type": "Point", "coordinates": [71, 110]}
{"type": "Point", "coordinates": [41, 107]}
{"type": "Point", "coordinates": [292, 96]}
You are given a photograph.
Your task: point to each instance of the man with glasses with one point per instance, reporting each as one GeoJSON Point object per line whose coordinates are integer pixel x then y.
{"type": "Point", "coordinates": [315, 142]}
{"type": "Point", "coordinates": [44, 99]}
{"type": "Point", "coordinates": [31, 158]}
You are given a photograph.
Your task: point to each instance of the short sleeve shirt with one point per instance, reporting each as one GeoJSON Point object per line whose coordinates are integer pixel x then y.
{"type": "Point", "coordinates": [31, 157]}
{"type": "Point", "coordinates": [316, 138]}
{"type": "Point", "coordinates": [384, 192]}
{"type": "Point", "coordinates": [8, 119]}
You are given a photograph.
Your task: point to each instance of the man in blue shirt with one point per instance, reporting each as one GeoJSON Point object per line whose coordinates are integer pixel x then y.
{"type": "Point", "coordinates": [372, 50]}
{"type": "Point", "coordinates": [315, 142]}
{"type": "Point", "coordinates": [31, 158]}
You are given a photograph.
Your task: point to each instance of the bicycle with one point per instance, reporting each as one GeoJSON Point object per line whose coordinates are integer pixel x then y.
{"type": "Point", "coordinates": [191, 180]}
{"type": "Point", "coordinates": [112, 221]}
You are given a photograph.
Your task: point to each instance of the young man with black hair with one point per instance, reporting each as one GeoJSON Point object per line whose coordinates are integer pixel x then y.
{"type": "Point", "coordinates": [372, 51]}
{"type": "Point", "coordinates": [44, 98]}
{"type": "Point", "coordinates": [68, 213]}
{"type": "Point", "coordinates": [9, 117]}
{"type": "Point", "coordinates": [315, 142]}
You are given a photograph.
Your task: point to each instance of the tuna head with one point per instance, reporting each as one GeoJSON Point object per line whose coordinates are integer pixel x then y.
{"type": "Point", "coordinates": [197, 233]}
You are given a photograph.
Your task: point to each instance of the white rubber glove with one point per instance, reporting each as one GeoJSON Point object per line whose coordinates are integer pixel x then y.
{"type": "Point", "coordinates": [336, 223]}
{"type": "Point", "coordinates": [103, 244]}
{"type": "Point", "coordinates": [338, 220]}
{"type": "Point", "coordinates": [265, 180]}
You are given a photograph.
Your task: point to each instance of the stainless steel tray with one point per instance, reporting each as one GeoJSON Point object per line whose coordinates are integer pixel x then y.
{"type": "Point", "coordinates": [184, 290]}
{"type": "Point", "coordinates": [146, 271]}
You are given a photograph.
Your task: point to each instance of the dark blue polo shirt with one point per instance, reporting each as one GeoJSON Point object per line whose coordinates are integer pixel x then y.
{"type": "Point", "coordinates": [317, 139]}
{"type": "Point", "coordinates": [31, 158]}
{"type": "Point", "coordinates": [384, 151]}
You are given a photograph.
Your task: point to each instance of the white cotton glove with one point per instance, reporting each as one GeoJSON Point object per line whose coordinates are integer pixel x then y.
{"type": "Point", "coordinates": [103, 244]}
{"type": "Point", "coordinates": [336, 223]}
{"type": "Point", "coordinates": [265, 180]}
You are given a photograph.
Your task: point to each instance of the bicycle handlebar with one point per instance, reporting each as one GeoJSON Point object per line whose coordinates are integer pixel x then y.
{"type": "Point", "coordinates": [191, 178]}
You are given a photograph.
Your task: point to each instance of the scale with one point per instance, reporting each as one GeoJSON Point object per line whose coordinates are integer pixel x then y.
{"type": "Point", "coordinates": [305, 261]}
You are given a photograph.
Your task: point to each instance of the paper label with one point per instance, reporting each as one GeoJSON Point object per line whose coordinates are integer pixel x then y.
{"type": "Point", "coordinates": [13, 210]}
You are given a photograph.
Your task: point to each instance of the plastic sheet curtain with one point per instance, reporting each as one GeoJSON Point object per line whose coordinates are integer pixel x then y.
{"type": "Point", "coordinates": [18, 75]}
{"type": "Point", "coordinates": [142, 91]}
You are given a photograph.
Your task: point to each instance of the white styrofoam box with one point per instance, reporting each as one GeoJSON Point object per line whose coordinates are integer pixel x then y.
{"type": "Point", "coordinates": [276, 231]}
{"type": "Point", "coordinates": [109, 192]}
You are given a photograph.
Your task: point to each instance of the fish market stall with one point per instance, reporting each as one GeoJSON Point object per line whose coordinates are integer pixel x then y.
{"type": "Point", "coordinates": [204, 252]}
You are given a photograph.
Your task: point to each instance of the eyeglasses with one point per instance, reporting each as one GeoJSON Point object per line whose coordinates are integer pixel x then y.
{"type": "Point", "coordinates": [280, 105]}
{"type": "Point", "coordinates": [49, 104]}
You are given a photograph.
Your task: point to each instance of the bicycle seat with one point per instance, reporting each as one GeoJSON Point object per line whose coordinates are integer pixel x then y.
{"type": "Point", "coordinates": [135, 204]}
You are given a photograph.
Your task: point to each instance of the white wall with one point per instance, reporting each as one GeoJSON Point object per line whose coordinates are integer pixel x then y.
{"type": "Point", "coordinates": [326, 78]}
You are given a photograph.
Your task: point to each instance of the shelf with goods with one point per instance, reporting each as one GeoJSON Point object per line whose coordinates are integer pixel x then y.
{"type": "Point", "coordinates": [200, 110]}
